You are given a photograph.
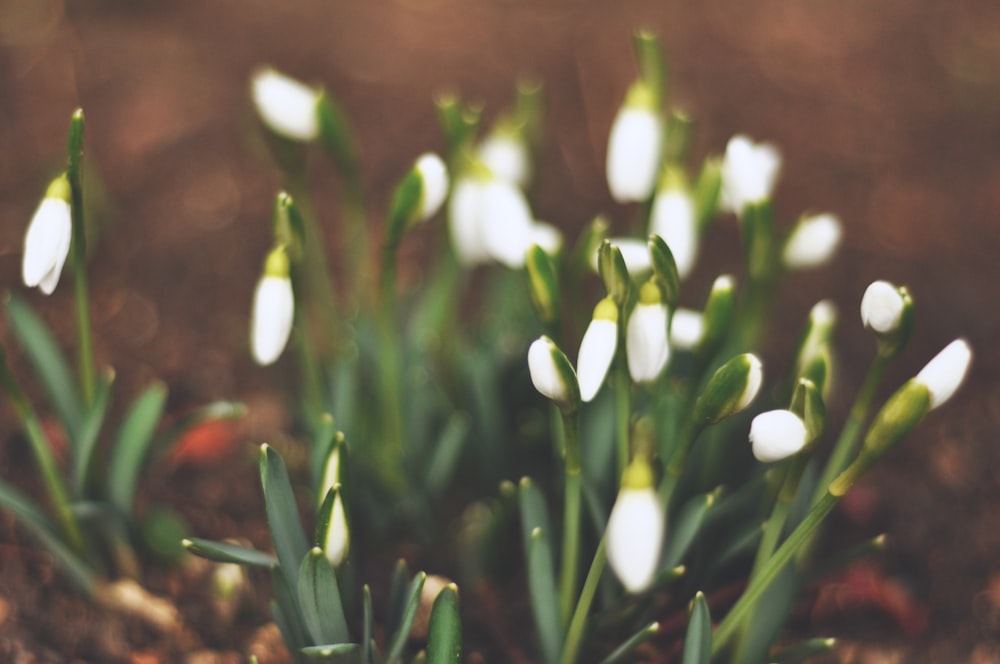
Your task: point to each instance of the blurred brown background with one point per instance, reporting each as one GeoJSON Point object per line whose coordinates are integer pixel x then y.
{"type": "Point", "coordinates": [887, 113]}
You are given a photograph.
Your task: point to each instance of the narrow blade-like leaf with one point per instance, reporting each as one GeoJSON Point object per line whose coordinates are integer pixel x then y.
{"type": "Point", "coordinates": [685, 528]}
{"type": "Point", "coordinates": [90, 428]}
{"type": "Point", "coordinates": [398, 640]}
{"type": "Point", "coordinates": [444, 639]}
{"type": "Point", "coordinates": [133, 441]}
{"type": "Point", "coordinates": [221, 552]}
{"type": "Point", "coordinates": [622, 652]}
{"type": "Point", "coordinates": [282, 515]}
{"type": "Point", "coordinates": [544, 596]}
{"type": "Point", "coordinates": [698, 641]}
{"type": "Point", "coordinates": [319, 600]}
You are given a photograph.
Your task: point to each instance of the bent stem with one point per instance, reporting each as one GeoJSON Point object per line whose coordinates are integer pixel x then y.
{"type": "Point", "coordinates": [574, 635]}
{"type": "Point", "coordinates": [85, 344]}
{"type": "Point", "coordinates": [571, 516]}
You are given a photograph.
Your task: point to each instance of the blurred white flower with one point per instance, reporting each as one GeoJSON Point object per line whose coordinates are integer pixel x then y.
{"type": "Point", "coordinates": [755, 377]}
{"type": "Point", "coordinates": [434, 183]}
{"type": "Point", "coordinates": [882, 307]}
{"type": "Point", "coordinates": [777, 434]}
{"type": "Point", "coordinates": [546, 236]}
{"type": "Point", "coordinates": [635, 146]}
{"type": "Point", "coordinates": [545, 374]}
{"type": "Point", "coordinates": [635, 253]}
{"type": "Point", "coordinates": [687, 327]}
{"type": "Point", "coordinates": [465, 220]}
{"type": "Point", "coordinates": [673, 219]}
{"type": "Point", "coordinates": [507, 157]}
{"type": "Point", "coordinates": [635, 537]}
{"type": "Point", "coordinates": [749, 172]}
{"type": "Point", "coordinates": [288, 107]}
{"type": "Point", "coordinates": [507, 223]}
{"type": "Point", "coordinates": [943, 375]}
{"type": "Point", "coordinates": [46, 244]}
{"type": "Point", "coordinates": [646, 345]}
{"type": "Point", "coordinates": [813, 242]}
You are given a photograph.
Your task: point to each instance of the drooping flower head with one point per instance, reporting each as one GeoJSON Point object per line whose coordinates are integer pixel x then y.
{"type": "Point", "coordinates": [273, 309]}
{"type": "Point", "coordinates": [48, 239]}
{"type": "Point", "coordinates": [635, 528]}
{"type": "Point", "coordinates": [777, 434]}
{"type": "Point", "coordinates": [646, 344]}
{"type": "Point", "coordinates": [635, 146]}
{"type": "Point", "coordinates": [813, 242]}
{"type": "Point", "coordinates": [288, 107]}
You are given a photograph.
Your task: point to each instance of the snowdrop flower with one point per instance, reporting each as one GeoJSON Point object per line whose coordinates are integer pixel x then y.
{"type": "Point", "coordinates": [337, 540]}
{"type": "Point", "coordinates": [646, 345]}
{"type": "Point", "coordinates": [635, 529]}
{"type": "Point", "coordinates": [687, 329]}
{"type": "Point", "coordinates": [943, 375]}
{"type": "Point", "coordinates": [506, 155]}
{"type": "Point", "coordinates": [673, 219]}
{"type": "Point", "coordinates": [465, 221]}
{"type": "Point", "coordinates": [882, 307]}
{"type": "Point", "coordinates": [730, 390]}
{"type": "Point", "coordinates": [551, 373]}
{"type": "Point", "coordinates": [749, 171]}
{"type": "Point", "coordinates": [47, 241]}
{"type": "Point", "coordinates": [777, 434]}
{"type": "Point", "coordinates": [635, 147]}
{"type": "Point", "coordinates": [434, 183]}
{"type": "Point", "coordinates": [273, 309]}
{"type": "Point", "coordinates": [490, 219]}
{"type": "Point", "coordinates": [813, 242]}
{"type": "Point", "coordinates": [597, 349]}
{"type": "Point", "coordinates": [288, 107]}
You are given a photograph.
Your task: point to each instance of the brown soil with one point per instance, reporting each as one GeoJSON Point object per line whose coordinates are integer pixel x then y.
{"type": "Point", "coordinates": [886, 113]}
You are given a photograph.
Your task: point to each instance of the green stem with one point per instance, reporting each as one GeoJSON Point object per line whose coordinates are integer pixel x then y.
{"type": "Point", "coordinates": [390, 383]}
{"type": "Point", "coordinates": [309, 370]}
{"type": "Point", "coordinates": [88, 381]}
{"type": "Point", "coordinates": [574, 635]}
{"type": "Point", "coordinates": [799, 537]}
{"type": "Point", "coordinates": [623, 384]}
{"type": "Point", "coordinates": [571, 516]}
{"type": "Point", "coordinates": [54, 486]}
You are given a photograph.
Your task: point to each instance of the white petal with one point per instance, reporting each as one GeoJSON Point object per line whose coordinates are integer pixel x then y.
{"type": "Point", "coordinates": [749, 171]}
{"type": "Point", "coordinates": [338, 538]}
{"type": "Point", "coordinates": [597, 349]}
{"type": "Point", "coordinates": [507, 223]}
{"type": "Point", "coordinates": [546, 236]}
{"type": "Point", "coordinates": [755, 377]}
{"type": "Point", "coordinates": [46, 244]}
{"type": "Point", "coordinates": [635, 537]}
{"type": "Point", "coordinates": [634, 149]}
{"type": "Point", "coordinates": [434, 176]}
{"type": "Point", "coordinates": [506, 157]}
{"type": "Point", "coordinates": [882, 307]}
{"type": "Point", "coordinates": [813, 242]}
{"type": "Point", "coordinates": [285, 105]}
{"type": "Point", "coordinates": [646, 342]}
{"type": "Point", "coordinates": [777, 434]}
{"type": "Point", "coordinates": [544, 374]}
{"type": "Point", "coordinates": [273, 310]}
{"type": "Point", "coordinates": [673, 219]}
{"type": "Point", "coordinates": [687, 327]}
{"type": "Point", "coordinates": [946, 371]}
{"type": "Point", "coordinates": [465, 220]}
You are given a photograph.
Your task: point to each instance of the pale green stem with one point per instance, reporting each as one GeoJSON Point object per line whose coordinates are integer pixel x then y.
{"type": "Point", "coordinates": [390, 383]}
{"type": "Point", "coordinates": [574, 635]}
{"type": "Point", "coordinates": [571, 515]}
{"type": "Point", "coordinates": [85, 345]}
{"type": "Point", "coordinates": [623, 406]}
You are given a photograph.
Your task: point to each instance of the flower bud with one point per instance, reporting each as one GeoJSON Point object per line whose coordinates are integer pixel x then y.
{"type": "Point", "coordinates": [552, 374]}
{"type": "Point", "coordinates": [635, 146]}
{"type": "Point", "coordinates": [664, 269]}
{"type": "Point", "coordinates": [273, 309]}
{"type": "Point", "coordinates": [636, 528]}
{"type": "Point", "coordinates": [332, 532]}
{"type": "Point", "coordinates": [47, 241]}
{"type": "Point", "coordinates": [777, 434]}
{"type": "Point", "coordinates": [943, 375]}
{"type": "Point", "coordinates": [882, 307]}
{"type": "Point", "coordinates": [546, 236]}
{"type": "Point", "coordinates": [646, 344]}
{"type": "Point", "coordinates": [434, 184]}
{"type": "Point", "coordinates": [543, 284]}
{"type": "Point", "coordinates": [286, 106]}
{"type": "Point", "coordinates": [730, 390]}
{"type": "Point", "coordinates": [749, 172]}
{"type": "Point", "coordinates": [812, 242]}
{"type": "Point", "coordinates": [673, 219]}
{"type": "Point", "coordinates": [506, 222]}
{"type": "Point", "coordinates": [687, 329]}
{"type": "Point", "coordinates": [814, 356]}
{"type": "Point", "coordinates": [597, 349]}
{"type": "Point", "coordinates": [719, 310]}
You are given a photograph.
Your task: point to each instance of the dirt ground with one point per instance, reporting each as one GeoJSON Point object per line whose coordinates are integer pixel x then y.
{"type": "Point", "coordinates": [886, 113]}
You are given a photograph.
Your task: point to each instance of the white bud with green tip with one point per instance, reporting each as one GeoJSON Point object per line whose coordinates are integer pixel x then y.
{"type": "Point", "coordinates": [273, 309]}
{"type": "Point", "coordinates": [776, 435]}
{"type": "Point", "coordinates": [749, 173]}
{"type": "Point", "coordinates": [597, 349]}
{"type": "Point", "coordinates": [720, 308]}
{"type": "Point", "coordinates": [635, 146]}
{"type": "Point", "coordinates": [814, 359]}
{"type": "Point", "coordinates": [882, 307]}
{"type": "Point", "coordinates": [543, 284]}
{"type": "Point", "coordinates": [646, 344]}
{"type": "Point", "coordinates": [943, 375]}
{"type": "Point", "coordinates": [636, 528]}
{"type": "Point", "coordinates": [673, 218]}
{"type": "Point", "coordinates": [434, 184]}
{"type": "Point", "coordinates": [287, 106]}
{"type": "Point", "coordinates": [813, 242]}
{"type": "Point", "coordinates": [731, 389]}
{"type": "Point", "coordinates": [687, 329]}
{"type": "Point", "coordinates": [552, 374]}
{"type": "Point", "coordinates": [48, 238]}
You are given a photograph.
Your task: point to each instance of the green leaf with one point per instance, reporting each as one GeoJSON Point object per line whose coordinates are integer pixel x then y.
{"type": "Point", "coordinates": [444, 638]}
{"type": "Point", "coordinates": [405, 205]}
{"type": "Point", "coordinates": [367, 628]}
{"type": "Point", "coordinates": [803, 651]}
{"type": "Point", "coordinates": [544, 596]}
{"type": "Point", "coordinates": [339, 652]}
{"type": "Point", "coordinates": [621, 652]}
{"type": "Point", "coordinates": [319, 600]}
{"type": "Point", "coordinates": [686, 526]}
{"type": "Point", "coordinates": [534, 513]}
{"type": "Point", "coordinates": [396, 605]}
{"type": "Point", "coordinates": [282, 515]}
{"type": "Point", "coordinates": [447, 450]}
{"type": "Point", "coordinates": [35, 520]}
{"type": "Point", "coordinates": [222, 552]}
{"type": "Point", "coordinates": [130, 449]}
{"type": "Point", "coordinates": [769, 616]}
{"type": "Point", "coordinates": [285, 610]}
{"type": "Point", "coordinates": [698, 641]}
{"type": "Point", "coordinates": [337, 138]}
{"type": "Point", "coordinates": [398, 640]}
{"type": "Point", "coordinates": [49, 363]}
{"type": "Point", "coordinates": [89, 430]}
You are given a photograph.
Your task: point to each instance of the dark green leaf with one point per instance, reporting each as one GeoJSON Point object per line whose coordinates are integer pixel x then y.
{"type": "Point", "coordinates": [293, 630]}
{"type": "Point", "coordinates": [534, 513]}
{"type": "Point", "coordinates": [803, 651]}
{"type": "Point", "coordinates": [446, 453]}
{"type": "Point", "coordinates": [89, 430]}
{"type": "Point", "coordinates": [221, 552]}
{"type": "Point", "coordinates": [339, 652]}
{"type": "Point", "coordinates": [398, 640]}
{"type": "Point", "coordinates": [396, 605]}
{"type": "Point", "coordinates": [621, 652]}
{"type": "Point", "coordinates": [367, 628]}
{"type": "Point", "coordinates": [133, 441]}
{"type": "Point", "coordinates": [685, 528]}
{"type": "Point", "coordinates": [698, 641]}
{"type": "Point", "coordinates": [544, 596]}
{"type": "Point", "coordinates": [444, 638]}
{"type": "Point", "coordinates": [319, 600]}
{"type": "Point", "coordinates": [282, 515]}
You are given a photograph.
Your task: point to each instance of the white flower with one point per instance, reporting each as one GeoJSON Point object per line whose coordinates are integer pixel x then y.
{"type": "Point", "coordinates": [749, 171]}
{"type": "Point", "coordinates": [813, 242]}
{"type": "Point", "coordinates": [46, 244]}
{"type": "Point", "coordinates": [434, 183]}
{"type": "Point", "coordinates": [506, 222]}
{"type": "Point", "coordinates": [545, 375]}
{"type": "Point", "coordinates": [273, 310]}
{"type": "Point", "coordinates": [597, 349]}
{"type": "Point", "coordinates": [635, 537]}
{"type": "Point", "coordinates": [673, 219]}
{"type": "Point", "coordinates": [687, 327]}
{"type": "Point", "coordinates": [946, 371]}
{"type": "Point", "coordinates": [507, 157]}
{"type": "Point", "coordinates": [755, 376]}
{"type": "Point", "coordinates": [646, 345]}
{"type": "Point", "coordinates": [634, 149]}
{"type": "Point", "coordinates": [337, 542]}
{"type": "Point", "coordinates": [882, 307]}
{"type": "Point", "coordinates": [546, 236]}
{"type": "Point", "coordinates": [465, 221]}
{"type": "Point", "coordinates": [777, 434]}
{"type": "Point", "coordinates": [286, 106]}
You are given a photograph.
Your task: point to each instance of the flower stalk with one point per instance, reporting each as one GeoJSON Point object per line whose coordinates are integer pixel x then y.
{"type": "Point", "coordinates": [85, 344]}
